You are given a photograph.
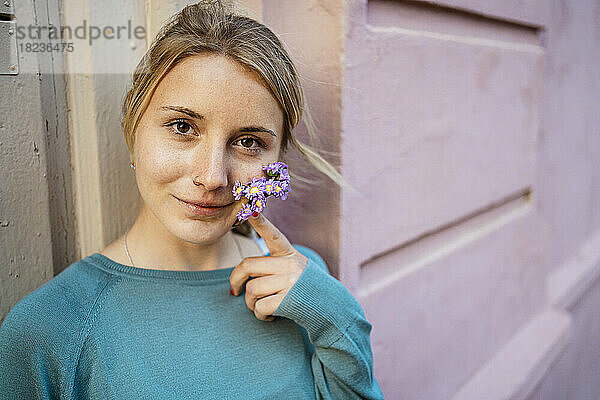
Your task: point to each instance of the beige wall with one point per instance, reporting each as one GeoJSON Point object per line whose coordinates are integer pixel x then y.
{"type": "Point", "coordinates": [37, 223]}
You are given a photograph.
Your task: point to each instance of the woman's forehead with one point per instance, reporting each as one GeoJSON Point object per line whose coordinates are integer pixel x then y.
{"type": "Point", "coordinates": [218, 87]}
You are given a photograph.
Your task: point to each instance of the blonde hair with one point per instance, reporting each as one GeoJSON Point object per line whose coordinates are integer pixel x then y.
{"type": "Point", "coordinates": [212, 26]}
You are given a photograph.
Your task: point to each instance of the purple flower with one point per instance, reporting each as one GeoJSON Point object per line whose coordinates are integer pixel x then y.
{"type": "Point", "coordinates": [281, 189]}
{"type": "Point", "coordinates": [284, 175]}
{"type": "Point", "coordinates": [271, 171]}
{"type": "Point", "coordinates": [256, 188]}
{"type": "Point", "coordinates": [276, 169]}
{"type": "Point", "coordinates": [280, 165]}
{"type": "Point", "coordinates": [259, 204]}
{"type": "Point", "coordinates": [245, 212]}
{"type": "Point", "coordinates": [239, 190]}
{"type": "Point", "coordinates": [270, 187]}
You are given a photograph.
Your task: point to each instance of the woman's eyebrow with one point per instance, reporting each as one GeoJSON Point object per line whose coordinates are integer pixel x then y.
{"type": "Point", "coordinates": [184, 110]}
{"type": "Point", "coordinates": [257, 129]}
{"type": "Point", "coordinates": [195, 115]}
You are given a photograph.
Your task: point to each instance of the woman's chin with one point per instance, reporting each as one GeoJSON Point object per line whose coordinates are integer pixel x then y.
{"type": "Point", "coordinates": [202, 231]}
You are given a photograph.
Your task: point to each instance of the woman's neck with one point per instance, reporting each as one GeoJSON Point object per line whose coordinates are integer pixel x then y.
{"type": "Point", "coordinates": [152, 245]}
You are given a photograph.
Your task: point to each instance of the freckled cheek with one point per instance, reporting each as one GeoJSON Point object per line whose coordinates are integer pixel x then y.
{"type": "Point", "coordinates": [245, 173]}
{"type": "Point", "coordinates": [246, 177]}
{"type": "Point", "coordinates": [160, 164]}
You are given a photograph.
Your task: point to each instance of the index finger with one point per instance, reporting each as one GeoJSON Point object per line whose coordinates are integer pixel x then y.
{"type": "Point", "coordinates": [276, 241]}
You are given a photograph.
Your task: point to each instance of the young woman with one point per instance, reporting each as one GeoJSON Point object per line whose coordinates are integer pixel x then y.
{"type": "Point", "coordinates": [182, 306]}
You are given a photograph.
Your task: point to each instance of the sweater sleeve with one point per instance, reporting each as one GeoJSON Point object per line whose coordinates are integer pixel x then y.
{"type": "Point", "coordinates": [342, 361]}
{"type": "Point", "coordinates": [40, 338]}
{"type": "Point", "coordinates": [30, 369]}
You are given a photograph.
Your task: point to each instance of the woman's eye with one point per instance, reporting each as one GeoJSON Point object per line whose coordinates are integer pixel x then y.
{"type": "Point", "coordinates": [184, 125]}
{"type": "Point", "coordinates": [179, 127]}
{"type": "Point", "coordinates": [247, 141]}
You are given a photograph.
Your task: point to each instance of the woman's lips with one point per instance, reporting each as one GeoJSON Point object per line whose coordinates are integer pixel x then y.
{"type": "Point", "coordinates": [202, 211]}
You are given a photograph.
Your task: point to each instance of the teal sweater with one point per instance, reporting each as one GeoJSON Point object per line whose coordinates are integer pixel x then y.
{"type": "Point", "coordinates": [103, 330]}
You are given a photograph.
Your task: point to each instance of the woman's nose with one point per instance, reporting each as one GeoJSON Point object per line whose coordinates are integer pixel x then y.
{"type": "Point", "coordinates": [211, 168]}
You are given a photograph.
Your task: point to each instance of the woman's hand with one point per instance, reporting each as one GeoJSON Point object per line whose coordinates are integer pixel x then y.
{"type": "Point", "coordinates": [276, 274]}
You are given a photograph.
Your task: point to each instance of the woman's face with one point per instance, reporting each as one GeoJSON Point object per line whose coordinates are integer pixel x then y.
{"type": "Point", "coordinates": [212, 118]}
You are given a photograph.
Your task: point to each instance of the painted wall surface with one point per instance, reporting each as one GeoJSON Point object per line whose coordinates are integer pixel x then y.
{"type": "Point", "coordinates": [36, 222]}
{"type": "Point", "coordinates": [570, 184]}
{"type": "Point", "coordinates": [450, 144]}
{"type": "Point", "coordinates": [470, 128]}
{"type": "Point", "coordinates": [473, 124]}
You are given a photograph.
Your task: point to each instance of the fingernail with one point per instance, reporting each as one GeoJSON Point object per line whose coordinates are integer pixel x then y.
{"type": "Point", "coordinates": [232, 291]}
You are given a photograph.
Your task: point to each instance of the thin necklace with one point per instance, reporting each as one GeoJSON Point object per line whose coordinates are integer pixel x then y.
{"type": "Point", "coordinates": [131, 261]}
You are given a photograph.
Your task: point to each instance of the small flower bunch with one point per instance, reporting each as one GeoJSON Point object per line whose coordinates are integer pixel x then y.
{"type": "Point", "coordinates": [276, 184]}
